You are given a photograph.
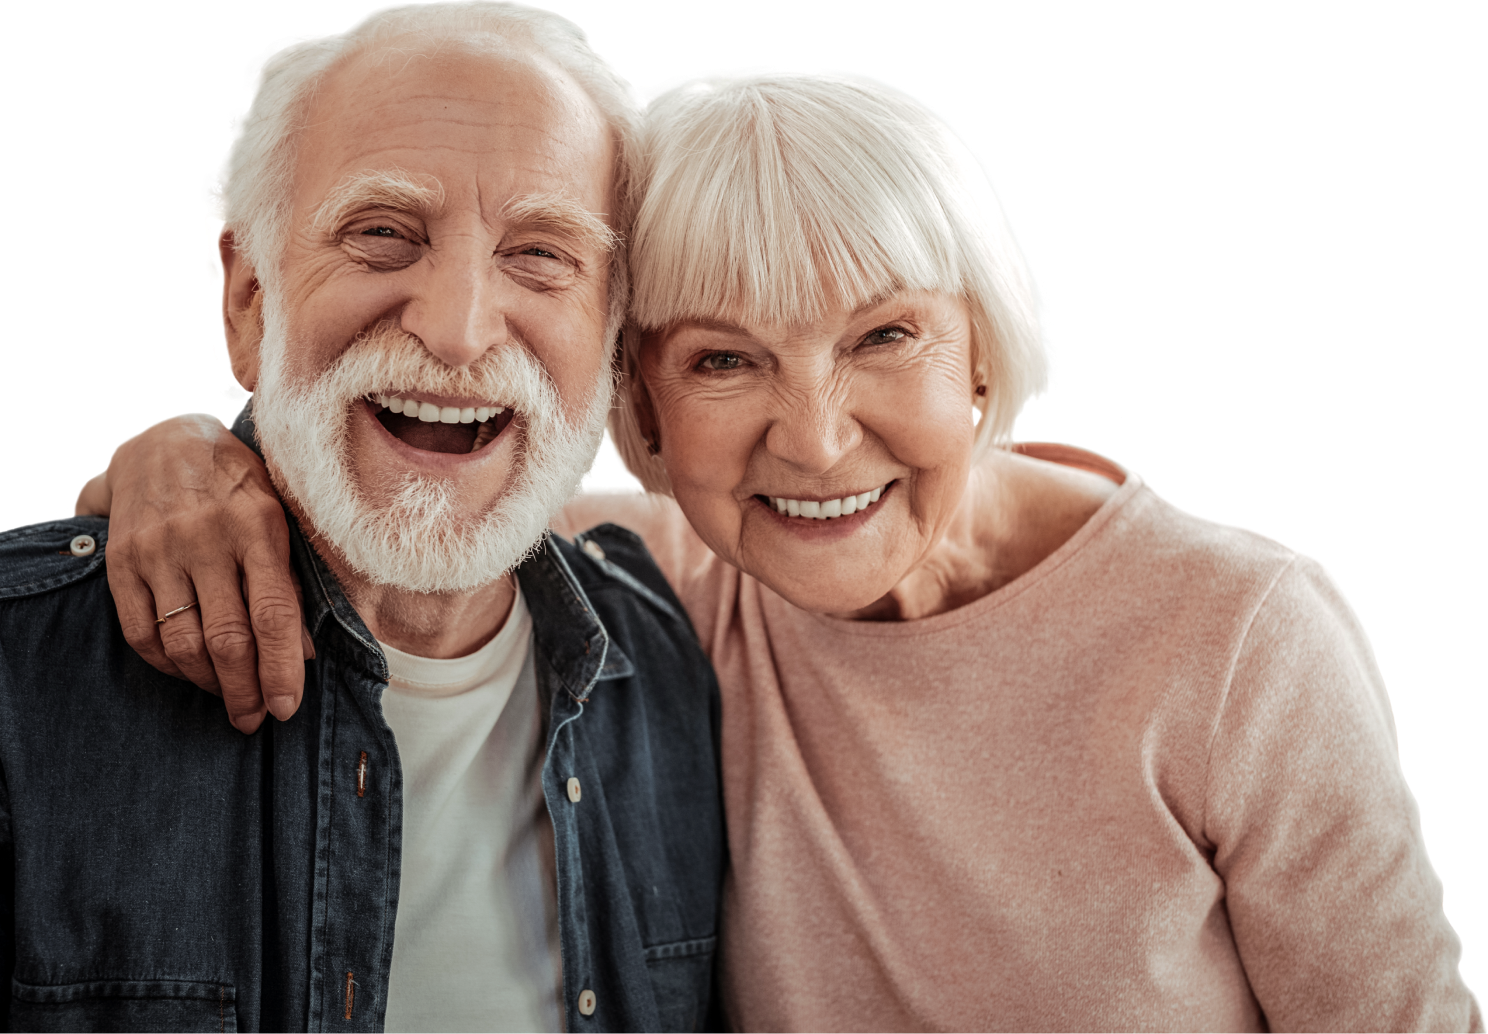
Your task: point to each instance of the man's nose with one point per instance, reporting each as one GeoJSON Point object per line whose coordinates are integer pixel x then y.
{"type": "Point", "coordinates": [456, 309]}
{"type": "Point", "coordinates": [814, 434]}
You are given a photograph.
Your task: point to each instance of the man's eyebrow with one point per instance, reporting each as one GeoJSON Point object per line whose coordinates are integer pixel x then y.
{"type": "Point", "coordinates": [562, 214]}
{"type": "Point", "coordinates": [391, 189]}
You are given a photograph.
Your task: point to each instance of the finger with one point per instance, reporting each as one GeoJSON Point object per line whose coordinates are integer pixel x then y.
{"type": "Point", "coordinates": [231, 639]}
{"type": "Point", "coordinates": [249, 723]}
{"type": "Point", "coordinates": [94, 498]}
{"type": "Point", "coordinates": [181, 634]}
{"type": "Point", "coordinates": [136, 609]}
{"type": "Point", "coordinates": [306, 639]}
{"type": "Point", "coordinates": [276, 612]}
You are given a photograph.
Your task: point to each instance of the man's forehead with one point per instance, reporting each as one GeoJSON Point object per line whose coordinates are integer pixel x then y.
{"type": "Point", "coordinates": [492, 116]}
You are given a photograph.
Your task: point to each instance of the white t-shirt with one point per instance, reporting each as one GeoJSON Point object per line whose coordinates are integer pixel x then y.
{"type": "Point", "coordinates": [476, 942]}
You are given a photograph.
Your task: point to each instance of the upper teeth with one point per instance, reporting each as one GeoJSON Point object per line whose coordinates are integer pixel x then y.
{"type": "Point", "coordinates": [822, 511]}
{"type": "Point", "coordinates": [429, 413]}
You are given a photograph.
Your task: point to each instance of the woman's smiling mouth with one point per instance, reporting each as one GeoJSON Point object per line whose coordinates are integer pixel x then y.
{"type": "Point", "coordinates": [825, 509]}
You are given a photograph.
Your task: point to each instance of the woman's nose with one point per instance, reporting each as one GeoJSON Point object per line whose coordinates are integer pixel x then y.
{"type": "Point", "coordinates": [813, 435]}
{"type": "Point", "coordinates": [457, 308]}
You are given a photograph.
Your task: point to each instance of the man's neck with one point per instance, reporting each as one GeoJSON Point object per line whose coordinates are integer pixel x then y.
{"type": "Point", "coordinates": [424, 624]}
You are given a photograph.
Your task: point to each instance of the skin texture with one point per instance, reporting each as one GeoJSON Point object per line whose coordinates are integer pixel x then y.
{"type": "Point", "coordinates": [863, 398]}
{"type": "Point", "coordinates": [478, 128]}
{"type": "Point", "coordinates": [860, 399]}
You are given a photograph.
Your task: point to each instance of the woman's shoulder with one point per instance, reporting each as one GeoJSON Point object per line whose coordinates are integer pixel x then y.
{"type": "Point", "coordinates": [1131, 519]}
{"type": "Point", "coordinates": [658, 521]}
{"type": "Point", "coordinates": [641, 512]}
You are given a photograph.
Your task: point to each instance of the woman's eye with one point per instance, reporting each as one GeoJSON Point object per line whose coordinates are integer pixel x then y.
{"type": "Point", "coordinates": [721, 361]}
{"type": "Point", "coordinates": [540, 252]}
{"type": "Point", "coordinates": [885, 336]}
{"type": "Point", "coordinates": [380, 231]}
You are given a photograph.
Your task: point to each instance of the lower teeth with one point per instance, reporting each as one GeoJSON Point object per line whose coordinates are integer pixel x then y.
{"type": "Point", "coordinates": [484, 435]}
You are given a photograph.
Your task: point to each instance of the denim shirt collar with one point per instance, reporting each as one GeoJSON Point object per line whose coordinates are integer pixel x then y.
{"type": "Point", "coordinates": [566, 632]}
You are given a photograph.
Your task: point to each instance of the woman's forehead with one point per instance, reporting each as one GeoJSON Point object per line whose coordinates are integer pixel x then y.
{"type": "Point", "coordinates": [838, 316]}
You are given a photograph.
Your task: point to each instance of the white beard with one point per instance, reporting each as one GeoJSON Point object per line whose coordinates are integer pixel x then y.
{"type": "Point", "coordinates": [418, 542]}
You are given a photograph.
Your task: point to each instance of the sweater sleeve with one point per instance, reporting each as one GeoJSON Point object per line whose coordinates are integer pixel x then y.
{"type": "Point", "coordinates": [1334, 906]}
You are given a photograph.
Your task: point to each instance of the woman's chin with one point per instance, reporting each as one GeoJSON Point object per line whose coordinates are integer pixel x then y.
{"type": "Point", "coordinates": [831, 594]}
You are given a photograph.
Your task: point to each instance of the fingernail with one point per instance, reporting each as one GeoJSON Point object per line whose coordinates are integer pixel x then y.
{"type": "Point", "coordinates": [282, 707]}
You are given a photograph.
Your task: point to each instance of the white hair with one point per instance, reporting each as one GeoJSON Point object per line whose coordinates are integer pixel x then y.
{"type": "Point", "coordinates": [258, 184]}
{"type": "Point", "coordinates": [418, 541]}
{"type": "Point", "coordinates": [768, 199]}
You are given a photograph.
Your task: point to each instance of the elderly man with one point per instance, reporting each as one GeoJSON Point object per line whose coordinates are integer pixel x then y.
{"type": "Point", "coordinates": [497, 806]}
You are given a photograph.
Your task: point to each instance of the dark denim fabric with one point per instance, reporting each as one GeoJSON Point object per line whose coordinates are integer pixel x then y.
{"type": "Point", "coordinates": [161, 871]}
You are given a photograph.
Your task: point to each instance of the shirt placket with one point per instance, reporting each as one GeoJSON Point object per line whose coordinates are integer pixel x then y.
{"type": "Point", "coordinates": [359, 843]}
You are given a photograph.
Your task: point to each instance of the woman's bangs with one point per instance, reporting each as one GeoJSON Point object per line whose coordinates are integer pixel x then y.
{"type": "Point", "coordinates": [783, 225]}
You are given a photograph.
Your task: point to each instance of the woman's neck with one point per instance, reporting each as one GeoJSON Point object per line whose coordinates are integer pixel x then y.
{"type": "Point", "coordinates": [1015, 512]}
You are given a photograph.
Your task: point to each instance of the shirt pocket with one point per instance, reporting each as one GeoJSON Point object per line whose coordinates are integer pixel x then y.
{"type": "Point", "coordinates": [681, 976]}
{"type": "Point", "coordinates": [123, 1005]}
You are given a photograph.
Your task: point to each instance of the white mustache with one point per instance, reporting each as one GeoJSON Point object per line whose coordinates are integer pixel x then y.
{"type": "Point", "coordinates": [389, 361]}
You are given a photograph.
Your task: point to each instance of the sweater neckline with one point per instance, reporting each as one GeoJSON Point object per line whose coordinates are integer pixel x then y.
{"type": "Point", "coordinates": [1130, 486]}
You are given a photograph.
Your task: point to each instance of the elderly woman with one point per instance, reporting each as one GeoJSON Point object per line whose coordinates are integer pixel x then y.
{"type": "Point", "coordinates": [1009, 742]}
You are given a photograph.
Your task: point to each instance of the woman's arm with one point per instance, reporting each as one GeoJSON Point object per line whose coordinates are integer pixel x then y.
{"type": "Point", "coordinates": [1333, 904]}
{"type": "Point", "coordinates": [194, 517]}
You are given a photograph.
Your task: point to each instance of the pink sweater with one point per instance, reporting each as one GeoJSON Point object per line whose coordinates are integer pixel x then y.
{"type": "Point", "coordinates": [1151, 784]}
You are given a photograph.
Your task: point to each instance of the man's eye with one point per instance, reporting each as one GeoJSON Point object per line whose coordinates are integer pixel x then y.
{"type": "Point", "coordinates": [380, 231]}
{"type": "Point", "coordinates": [539, 251]}
{"type": "Point", "coordinates": [721, 361]}
{"type": "Point", "coordinates": [885, 336]}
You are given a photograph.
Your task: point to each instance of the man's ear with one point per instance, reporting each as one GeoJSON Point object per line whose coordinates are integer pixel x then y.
{"type": "Point", "coordinates": [242, 311]}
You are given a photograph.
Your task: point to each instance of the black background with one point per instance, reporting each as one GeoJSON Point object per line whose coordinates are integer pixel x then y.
{"type": "Point", "coordinates": [1270, 354]}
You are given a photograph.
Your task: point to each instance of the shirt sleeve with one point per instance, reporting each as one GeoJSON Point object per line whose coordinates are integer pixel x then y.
{"type": "Point", "coordinates": [1334, 906]}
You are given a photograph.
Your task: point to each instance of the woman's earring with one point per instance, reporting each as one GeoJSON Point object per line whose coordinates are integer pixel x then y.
{"type": "Point", "coordinates": [981, 390]}
{"type": "Point", "coordinates": [653, 445]}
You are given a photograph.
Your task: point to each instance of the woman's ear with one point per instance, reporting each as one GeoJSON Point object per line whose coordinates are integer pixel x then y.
{"type": "Point", "coordinates": [242, 311]}
{"type": "Point", "coordinates": [640, 397]}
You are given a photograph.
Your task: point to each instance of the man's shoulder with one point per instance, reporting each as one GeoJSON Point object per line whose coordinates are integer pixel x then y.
{"type": "Point", "coordinates": [608, 576]}
{"type": "Point", "coordinates": [46, 558]}
{"type": "Point", "coordinates": [613, 562]}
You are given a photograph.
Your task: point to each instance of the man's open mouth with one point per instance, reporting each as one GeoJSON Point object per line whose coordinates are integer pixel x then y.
{"type": "Point", "coordinates": [435, 427]}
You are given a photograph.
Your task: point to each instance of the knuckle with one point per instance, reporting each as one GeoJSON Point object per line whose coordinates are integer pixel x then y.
{"type": "Point", "coordinates": [182, 644]}
{"type": "Point", "coordinates": [138, 633]}
{"type": "Point", "coordinates": [230, 643]}
{"type": "Point", "coordinates": [275, 617]}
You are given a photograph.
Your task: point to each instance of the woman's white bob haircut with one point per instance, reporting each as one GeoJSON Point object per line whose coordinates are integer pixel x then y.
{"type": "Point", "coordinates": [769, 199]}
{"type": "Point", "coordinates": [258, 184]}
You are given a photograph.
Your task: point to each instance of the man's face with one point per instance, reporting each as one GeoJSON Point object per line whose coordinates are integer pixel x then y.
{"type": "Point", "coordinates": [441, 252]}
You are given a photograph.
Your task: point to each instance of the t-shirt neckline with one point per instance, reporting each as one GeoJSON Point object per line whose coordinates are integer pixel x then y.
{"type": "Point", "coordinates": [450, 676]}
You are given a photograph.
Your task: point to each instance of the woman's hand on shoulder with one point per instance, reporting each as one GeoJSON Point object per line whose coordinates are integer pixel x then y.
{"type": "Point", "coordinates": [193, 518]}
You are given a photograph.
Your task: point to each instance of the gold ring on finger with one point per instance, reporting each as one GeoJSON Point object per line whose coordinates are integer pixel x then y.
{"type": "Point", "coordinates": [173, 613]}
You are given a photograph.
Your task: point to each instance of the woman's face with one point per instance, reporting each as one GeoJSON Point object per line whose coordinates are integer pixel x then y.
{"type": "Point", "coordinates": [819, 419]}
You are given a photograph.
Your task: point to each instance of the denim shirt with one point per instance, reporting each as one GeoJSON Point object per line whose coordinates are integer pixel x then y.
{"type": "Point", "coordinates": [161, 871]}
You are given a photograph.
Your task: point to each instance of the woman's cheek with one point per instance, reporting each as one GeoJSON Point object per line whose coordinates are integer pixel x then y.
{"type": "Point", "coordinates": [924, 423]}
{"type": "Point", "coordinates": [695, 441]}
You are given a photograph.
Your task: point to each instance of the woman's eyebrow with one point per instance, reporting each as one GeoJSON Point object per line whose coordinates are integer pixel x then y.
{"type": "Point", "coordinates": [391, 189]}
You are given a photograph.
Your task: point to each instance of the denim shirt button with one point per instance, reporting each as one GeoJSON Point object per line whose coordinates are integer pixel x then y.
{"type": "Point", "coordinates": [587, 1002]}
{"type": "Point", "coordinates": [83, 545]}
{"type": "Point", "coordinates": [574, 793]}
{"type": "Point", "coordinates": [594, 549]}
